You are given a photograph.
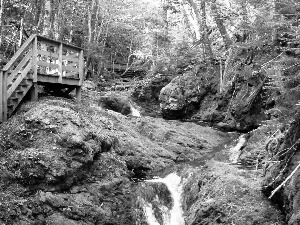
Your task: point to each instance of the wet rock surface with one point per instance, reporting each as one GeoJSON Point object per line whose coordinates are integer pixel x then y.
{"type": "Point", "coordinates": [223, 194]}
{"type": "Point", "coordinates": [65, 163]}
{"type": "Point", "coordinates": [182, 96]}
{"type": "Point", "coordinates": [116, 103]}
{"type": "Point", "coordinates": [283, 159]}
{"type": "Point", "coordinates": [241, 108]}
{"type": "Point", "coordinates": [149, 89]}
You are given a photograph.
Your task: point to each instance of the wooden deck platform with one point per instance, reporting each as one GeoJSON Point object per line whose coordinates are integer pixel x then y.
{"type": "Point", "coordinates": [39, 61]}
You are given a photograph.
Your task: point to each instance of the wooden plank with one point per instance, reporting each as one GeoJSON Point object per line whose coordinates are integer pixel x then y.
{"type": "Point", "coordinates": [71, 48]}
{"type": "Point", "coordinates": [42, 38]}
{"type": "Point", "coordinates": [18, 54]}
{"type": "Point", "coordinates": [34, 59]}
{"type": "Point", "coordinates": [34, 92]}
{"type": "Point", "coordinates": [1, 96]}
{"type": "Point", "coordinates": [4, 96]}
{"type": "Point", "coordinates": [71, 59]}
{"type": "Point", "coordinates": [46, 53]}
{"type": "Point", "coordinates": [52, 65]}
{"type": "Point", "coordinates": [72, 64]}
{"type": "Point", "coordinates": [69, 74]}
{"type": "Point", "coordinates": [70, 68]}
{"type": "Point", "coordinates": [49, 43]}
{"type": "Point", "coordinates": [60, 63]}
{"type": "Point", "coordinates": [44, 79]}
{"type": "Point", "coordinates": [19, 67]}
{"type": "Point", "coordinates": [81, 67]}
{"type": "Point", "coordinates": [18, 80]}
{"type": "Point", "coordinates": [78, 93]}
{"type": "Point", "coordinates": [70, 81]}
{"type": "Point", "coordinates": [73, 55]}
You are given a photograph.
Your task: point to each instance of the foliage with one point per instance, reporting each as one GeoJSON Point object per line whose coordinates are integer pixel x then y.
{"type": "Point", "coordinates": [159, 35]}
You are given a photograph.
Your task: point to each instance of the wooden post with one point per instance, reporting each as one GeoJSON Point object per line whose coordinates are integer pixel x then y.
{"type": "Point", "coordinates": [1, 96]}
{"type": "Point", "coordinates": [4, 96]}
{"type": "Point", "coordinates": [81, 67]}
{"type": "Point", "coordinates": [34, 59]}
{"type": "Point", "coordinates": [78, 93]}
{"type": "Point", "coordinates": [60, 62]}
{"type": "Point", "coordinates": [34, 92]}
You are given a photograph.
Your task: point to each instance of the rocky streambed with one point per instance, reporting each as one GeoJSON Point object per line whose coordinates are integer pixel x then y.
{"type": "Point", "coordinates": [68, 163]}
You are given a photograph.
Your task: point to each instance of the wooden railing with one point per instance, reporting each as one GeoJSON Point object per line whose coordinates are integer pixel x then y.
{"type": "Point", "coordinates": [56, 58]}
{"type": "Point", "coordinates": [40, 55]}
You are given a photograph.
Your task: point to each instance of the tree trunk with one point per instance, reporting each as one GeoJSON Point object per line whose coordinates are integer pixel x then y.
{"type": "Point", "coordinates": [90, 22]}
{"type": "Point", "coordinates": [165, 18]}
{"type": "Point", "coordinates": [275, 18]}
{"type": "Point", "coordinates": [58, 23]}
{"type": "Point", "coordinates": [220, 24]}
{"type": "Point", "coordinates": [1, 14]}
{"type": "Point", "coordinates": [20, 33]}
{"type": "Point", "coordinates": [192, 20]}
{"type": "Point", "coordinates": [204, 30]}
{"type": "Point", "coordinates": [46, 22]}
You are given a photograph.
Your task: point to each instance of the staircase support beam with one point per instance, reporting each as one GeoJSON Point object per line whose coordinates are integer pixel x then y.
{"type": "Point", "coordinates": [60, 62]}
{"type": "Point", "coordinates": [34, 59]}
{"type": "Point", "coordinates": [78, 93]}
{"type": "Point", "coordinates": [4, 96]}
{"type": "Point", "coordinates": [1, 96]}
{"type": "Point", "coordinates": [81, 67]}
{"type": "Point", "coordinates": [34, 92]}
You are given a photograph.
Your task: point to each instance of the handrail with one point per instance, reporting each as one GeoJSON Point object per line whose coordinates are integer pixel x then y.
{"type": "Point", "coordinates": [19, 53]}
{"type": "Point", "coordinates": [58, 42]}
{"type": "Point", "coordinates": [15, 71]}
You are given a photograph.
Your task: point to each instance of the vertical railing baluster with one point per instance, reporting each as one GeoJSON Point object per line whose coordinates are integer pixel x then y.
{"type": "Point", "coordinates": [81, 67]}
{"type": "Point", "coordinates": [60, 62]}
{"type": "Point", "coordinates": [34, 87]}
{"type": "Point", "coordinates": [4, 95]}
{"type": "Point", "coordinates": [1, 96]}
{"type": "Point", "coordinates": [34, 59]}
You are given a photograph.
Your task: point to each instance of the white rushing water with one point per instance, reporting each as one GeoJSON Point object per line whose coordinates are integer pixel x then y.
{"type": "Point", "coordinates": [174, 216]}
{"type": "Point", "coordinates": [236, 150]}
{"type": "Point", "coordinates": [134, 111]}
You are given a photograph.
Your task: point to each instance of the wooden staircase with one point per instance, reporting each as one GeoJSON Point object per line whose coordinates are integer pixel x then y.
{"type": "Point", "coordinates": [131, 72]}
{"type": "Point", "coordinates": [40, 61]}
{"type": "Point", "coordinates": [16, 97]}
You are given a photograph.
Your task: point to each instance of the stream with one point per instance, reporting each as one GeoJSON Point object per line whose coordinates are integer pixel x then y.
{"type": "Point", "coordinates": [174, 215]}
{"type": "Point", "coordinates": [163, 196]}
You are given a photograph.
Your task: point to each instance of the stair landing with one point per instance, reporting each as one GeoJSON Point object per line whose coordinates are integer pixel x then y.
{"type": "Point", "coordinates": [39, 61]}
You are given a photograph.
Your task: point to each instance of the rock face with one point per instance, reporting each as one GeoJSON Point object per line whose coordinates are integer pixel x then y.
{"type": "Point", "coordinates": [241, 108]}
{"type": "Point", "coordinates": [182, 96]}
{"type": "Point", "coordinates": [149, 89]}
{"type": "Point", "coordinates": [223, 194]}
{"type": "Point", "coordinates": [116, 103]}
{"type": "Point", "coordinates": [283, 148]}
{"type": "Point", "coordinates": [247, 106]}
{"type": "Point", "coordinates": [65, 163]}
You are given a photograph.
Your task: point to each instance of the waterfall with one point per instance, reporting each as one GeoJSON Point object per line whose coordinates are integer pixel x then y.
{"type": "Point", "coordinates": [173, 216]}
{"type": "Point", "coordinates": [236, 150]}
{"type": "Point", "coordinates": [134, 111]}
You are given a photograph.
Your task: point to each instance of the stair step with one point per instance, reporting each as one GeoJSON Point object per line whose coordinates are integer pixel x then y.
{"type": "Point", "coordinates": [14, 98]}
{"type": "Point", "coordinates": [24, 84]}
{"type": "Point", "coordinates": [19, 91]}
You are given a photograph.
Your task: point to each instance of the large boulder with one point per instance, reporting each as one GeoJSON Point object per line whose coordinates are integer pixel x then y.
{"type": "Point", "coordinates": [241, 107]}
{"type": "Point", "coordinates": [118, 103]}
{"type": "Point", "coordinates": [149, 88]}
{"type": "Point", "coordinates": [182, 96]}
